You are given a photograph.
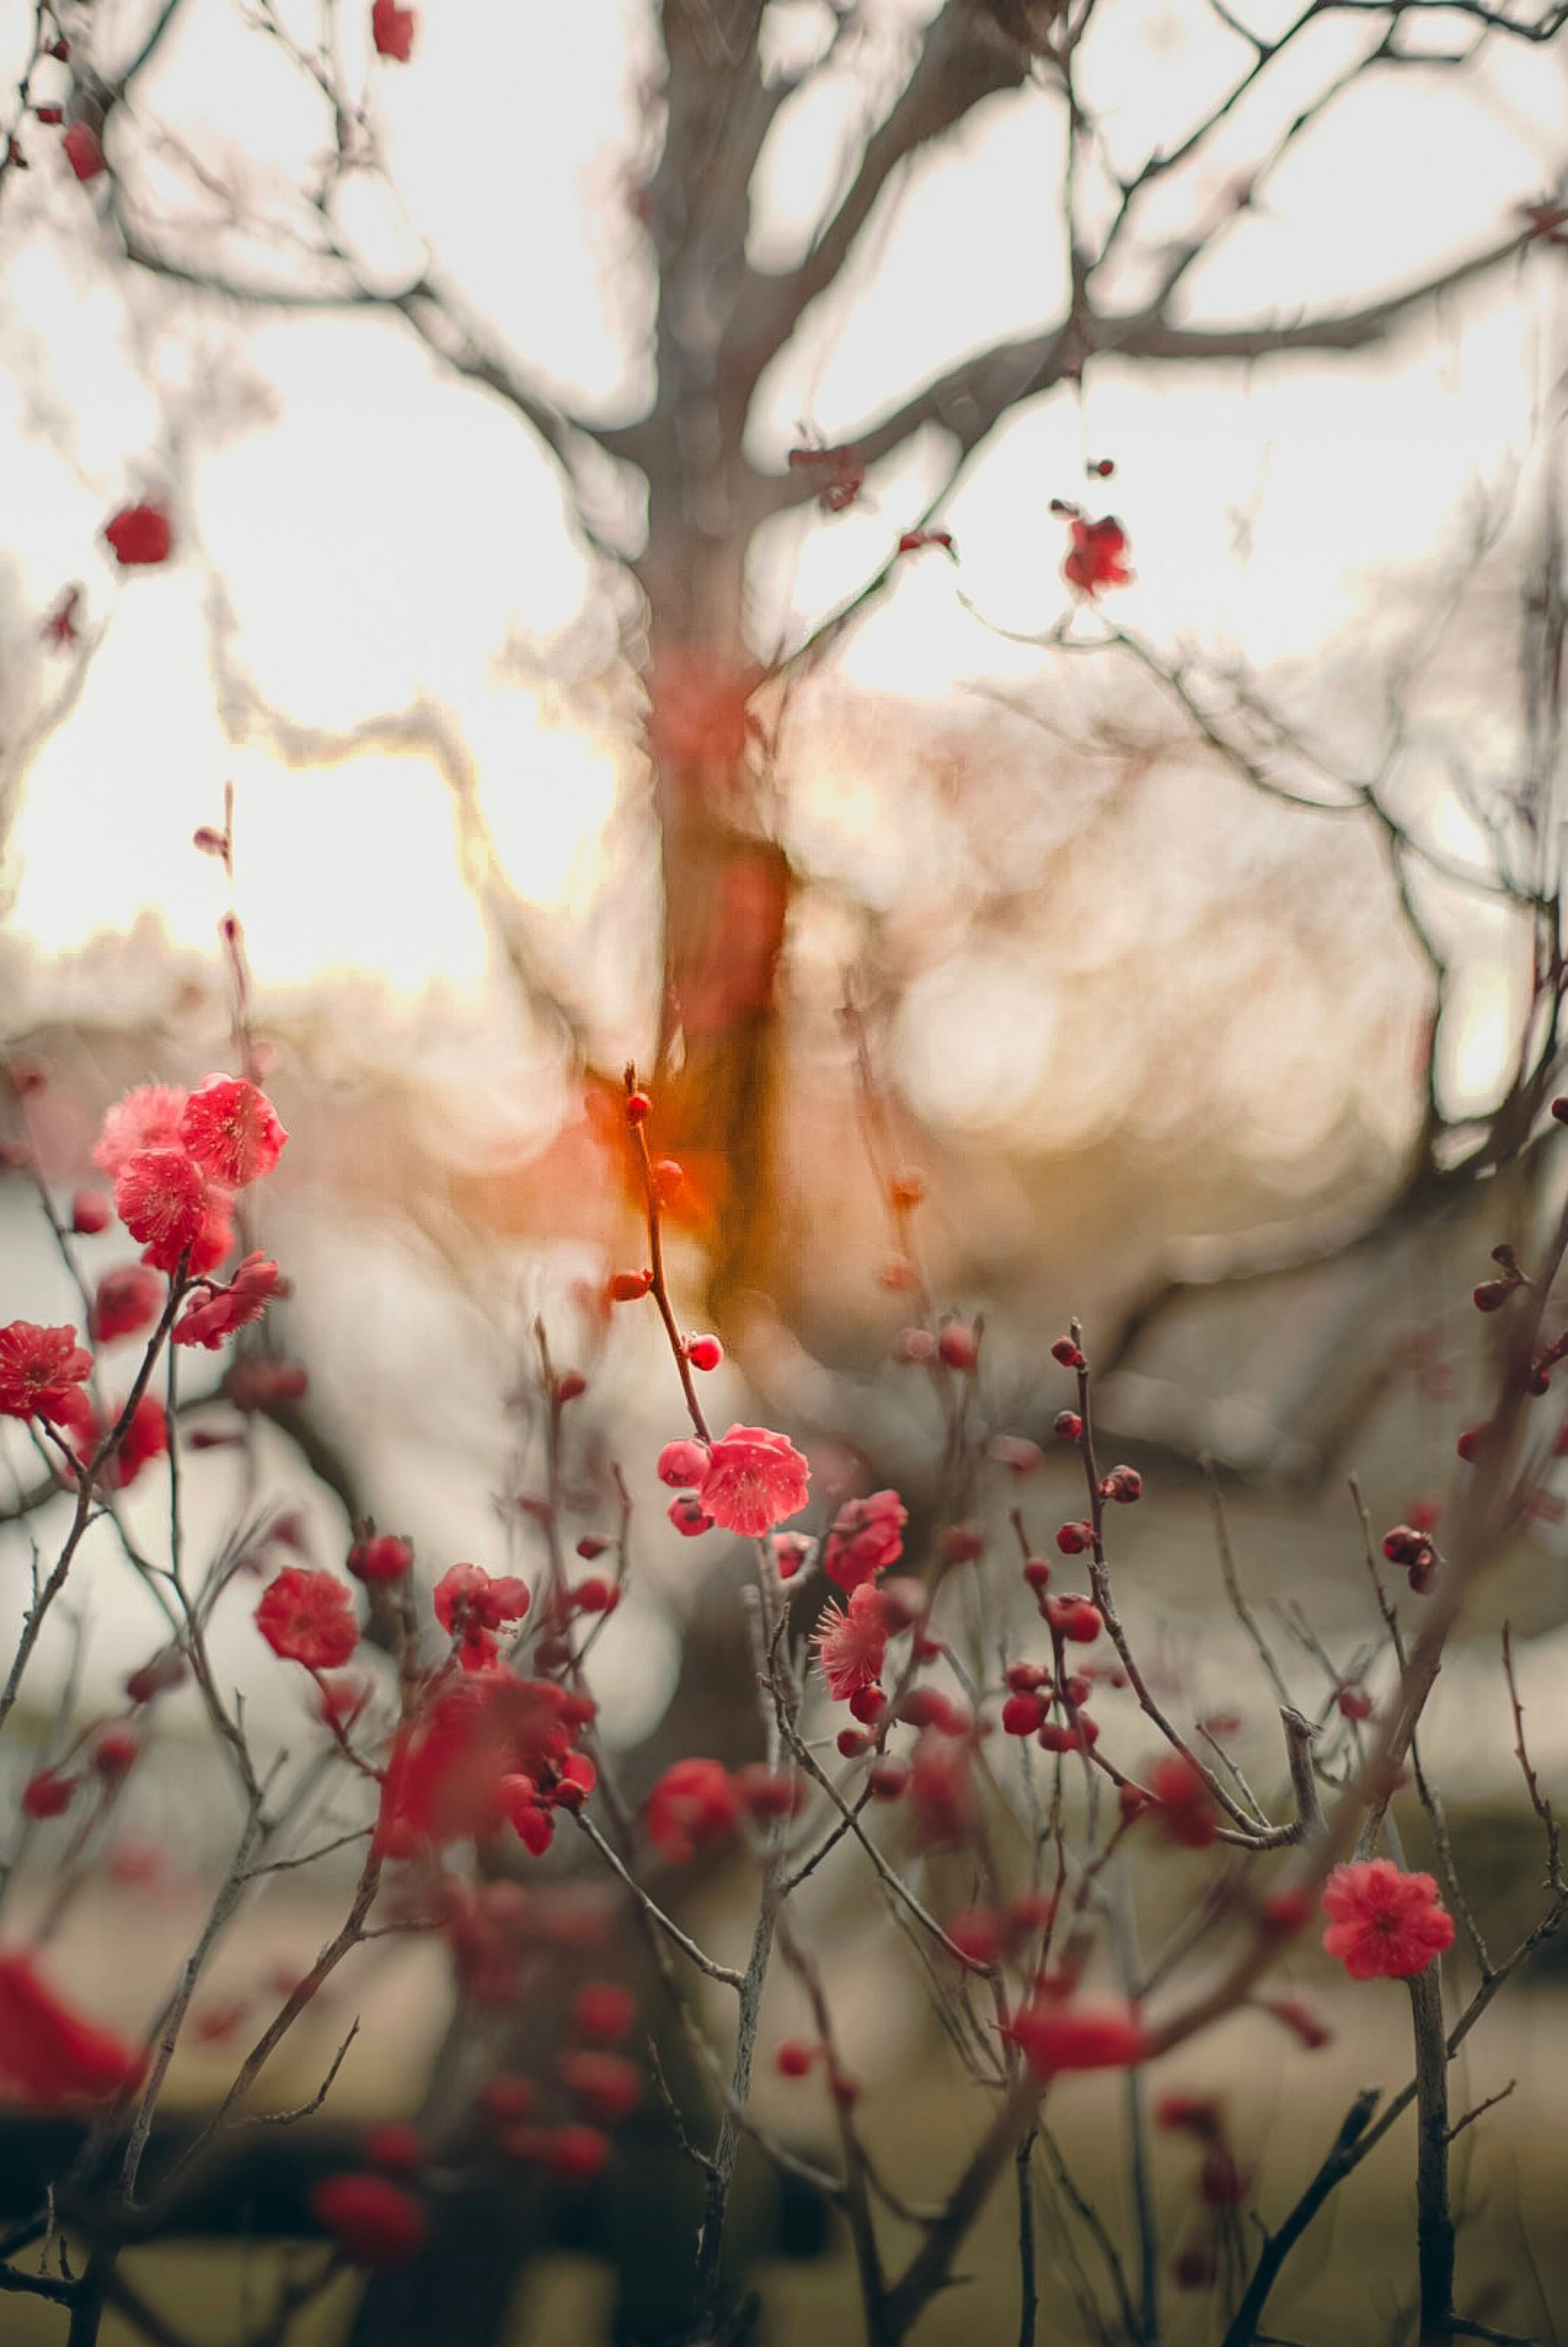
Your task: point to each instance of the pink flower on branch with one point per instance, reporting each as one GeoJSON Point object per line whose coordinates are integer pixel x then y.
{"type": "Point", "coordinates": [160, 1197]}
{"type": "Point", "coordinates": [473, 1607]}
{"type": "Point", "coordinates": [212, 1317]}
{"type": "Point", "coordinates": [147, 1118]}
{"type": "Point", "coordinates": [853, 1646]}
{"type": "Point", "coordinates": [231, 1129]}
{"type": "Point", "coordinates": [42, 1371]}
{"type": "Point", "coordinates": [1382, 1923]}
{"type": "Point", "coordinates": [694, 1804]}
{"type": "Point", "coordinates": [128, 1300]}
{"type": "Point", "coordinates": [867, 1537]}
{"type": "Point", "coordinates": [753, 1479]}
{"type": "Point", "coordinates": [309, 1617]}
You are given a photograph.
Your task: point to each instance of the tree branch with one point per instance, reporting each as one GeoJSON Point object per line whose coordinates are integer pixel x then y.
{"type": "Point", "coordinates": [961, 62]}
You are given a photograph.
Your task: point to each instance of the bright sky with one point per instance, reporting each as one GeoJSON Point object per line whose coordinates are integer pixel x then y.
{"type": "Point", "coordinates": [382, 532]}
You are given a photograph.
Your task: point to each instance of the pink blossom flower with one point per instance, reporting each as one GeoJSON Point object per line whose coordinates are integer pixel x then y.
{"type": "Point", "coordinates": [147, 1118]}
{"type": "Point", "coordinates": [473, 1607]}
{"type": "Point", "coordinates": [210, 1317]}
{"type": "Point", "coordinates": [160, 1197]}
{"type": "Point", "coordinates": [309, 1617]}
{"type": "Point", "coordinates": [231, 1128]}
{"type": "Point", "coordinates": [128, 1300]}
{"type": "Point", "coordinates": [694, 1803]}
{"type": "Point", "coordinates": [753, 1479]}
{"type": "Point", "coordinates": [852, 1647]}
{"type": "Point", "coordinates": [41, 1371]}
{"type": "Point", "coordinates": [867, 1536]}
{"type": "Point", "coordinates": [1383, 1923]}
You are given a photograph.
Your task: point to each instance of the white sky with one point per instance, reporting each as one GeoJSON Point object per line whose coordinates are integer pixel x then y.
{"type": "Point", "coordinates": [383, 531]}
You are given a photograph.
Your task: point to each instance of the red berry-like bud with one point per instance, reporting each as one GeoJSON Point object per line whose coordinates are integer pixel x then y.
{"type": "Point", "coordinates": [1472, 1442]}
{"type": "Point", "coordinates": [1075, 1618]}
{"type": "Point", "coordinates": [1124, 1485]}
{"type": "Point", "coordinates": [957, 1347]}
{"type": "Point", "coordinates": [590, 1546]}
{"type": "Point", "coordinates": [852, 1744]}
{"type": "Point", "coordinates": [1068, 1425]}
{"type": "Point", "coordinates": [669, 1180]}
{"type": "Point", "coordinates": [766, 1793]}
{"type": "Point", "coordinates": [1354, 1702]}
{"type": "Point", "coordinates": [794, 2058]}
{"type": "Point", "coordinates": [1074, 1539]}
{"type": "Point", "coordinates": [682, 1464]}
{"type": "Point", "coordinates": [1037, 1572]}
{"type": "Point", "coordinates": [1026, 1679]}
{"type": "Point", "coordinates": [704, 1352]}
{"type": "Point", "coordinates": [89, 1212]}
{"type": "Point", "coordinates": [961, 1545]}
{"type": "Point", "coordinates": [1053, 1739]}
{"type": "Point", "coordinates": [1491, 1295]}
{"type": "Point", "coordinates": [868, 1705]}
{"type": "Point", "coordinates": [888, 1781]}
{"type": "Point", "coordinates": [571, 1386]}
{"type": "Point", "coordinates": [115, 1752]}
{"type": "Point", "coordinates": [639, 1107]}
{"type": "Point", "coordinates": [1067, 1353]}
{"type": "Point", "coordinates": [906, 1190]}
{"type": "Point", "coordinates": [165, 1671]}
{"type": "Point", "coordinates": [627, 1286]}
{"type": "Point", "coordinates": [1021, 1715]}
{"type": "Point", "coordinates": [689, 1516]}
{"type": "Point", "coordinates": [48, 1795]}
{"type": "Point", "coordinates": [381, 1559]}
{"type": "Point", "coordinates": [595, 1595]}
{"type": "Point", "coordinates": [977, 1933]}
{"type": "Point", "coordinates": [603, 2009]}
{"type": "Point", "coordinates": [1560, 1111]}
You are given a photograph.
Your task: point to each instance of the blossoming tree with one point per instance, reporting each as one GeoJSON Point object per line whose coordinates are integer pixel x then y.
{"type": "Point", "coordinates": [472, 1741]}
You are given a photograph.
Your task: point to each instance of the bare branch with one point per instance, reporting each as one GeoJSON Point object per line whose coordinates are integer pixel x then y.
{"type": "Point", "coordinates": [961, 62]}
